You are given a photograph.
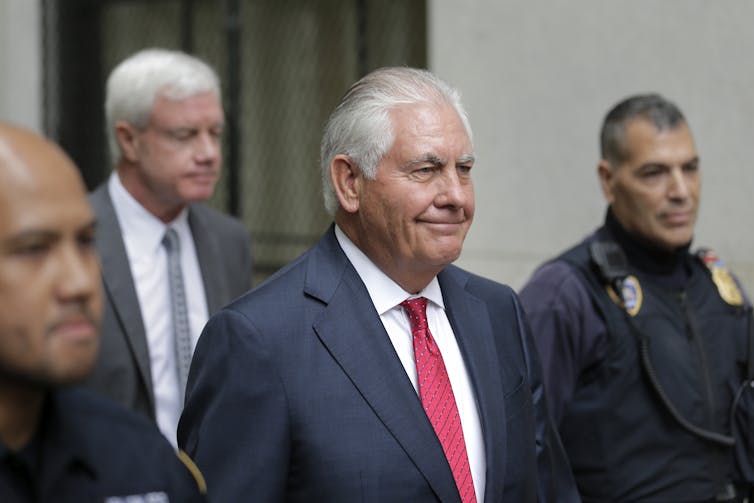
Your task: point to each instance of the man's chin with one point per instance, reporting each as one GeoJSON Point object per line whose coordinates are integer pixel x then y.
{"type": "Point", "coordinates": [79, 363]}
{"type": "Point", "coordinates": [679, 237]}
{"type": "Point", "coordinates": [47, 379]}
{"type": "Point", "coordinates": [444, 257]}
{"type": "Point", "coordinates": [201, 188]}
{"type": "Point", "coordinates": [71, 376]}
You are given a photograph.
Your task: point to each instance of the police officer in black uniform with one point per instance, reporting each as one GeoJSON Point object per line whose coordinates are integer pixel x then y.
{"type": "Point", "coordinates": [59, 444]}
{"type": "Point", "coordinates": [646, 345]}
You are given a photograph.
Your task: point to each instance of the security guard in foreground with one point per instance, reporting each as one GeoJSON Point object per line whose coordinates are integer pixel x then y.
{"type": "Point", "coordinates": [646, 346]}
{"type": "Point", "coordinates": [57, 444]}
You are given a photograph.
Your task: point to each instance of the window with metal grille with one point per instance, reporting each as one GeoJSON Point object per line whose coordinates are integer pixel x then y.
{"type": "Point", "coordinates": [284, 64]}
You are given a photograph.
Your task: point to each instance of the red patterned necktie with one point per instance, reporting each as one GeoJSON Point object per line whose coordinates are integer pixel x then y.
{"type": "Point", "coordinates": [437, 397]}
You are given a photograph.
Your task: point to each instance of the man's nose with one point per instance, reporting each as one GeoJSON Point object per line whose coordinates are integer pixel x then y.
{"type": "Point", "coordinates": [79, 273]}
{"type": "Point", "coordinates": [207, 147]}
{"type": "Point", "coordinates": [678, 188]}
{"type": "Point", "coordinates": [454, 190]}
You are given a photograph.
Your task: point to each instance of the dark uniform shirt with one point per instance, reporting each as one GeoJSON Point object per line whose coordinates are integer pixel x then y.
{"type": "Point", "coordinates": [579, 357]}
{"type": "Point", "coordinates": [88, 449]}
{"type": "Point", "coordinates": [571, 336]}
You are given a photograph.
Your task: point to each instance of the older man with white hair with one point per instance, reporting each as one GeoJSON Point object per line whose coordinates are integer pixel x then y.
{"type": "Point", "coordinates": [168, 261]}
{"type": "Point", "coordinates": [371, 369]}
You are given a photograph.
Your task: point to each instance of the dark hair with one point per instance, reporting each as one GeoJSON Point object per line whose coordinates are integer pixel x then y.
{"type": "Point", "coordinates": [663, 114]}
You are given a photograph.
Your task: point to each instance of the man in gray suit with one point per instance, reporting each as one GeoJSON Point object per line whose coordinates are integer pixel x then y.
{"type": "Point", "coordinates": [168, 262]}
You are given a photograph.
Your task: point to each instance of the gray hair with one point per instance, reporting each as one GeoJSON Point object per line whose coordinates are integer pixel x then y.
{"type": "Point", "coordinates": [660, 112]}
{"type": "Point", "coordinates": [361, 128]}
{"type": "Point", "coordinates": [135, 83]}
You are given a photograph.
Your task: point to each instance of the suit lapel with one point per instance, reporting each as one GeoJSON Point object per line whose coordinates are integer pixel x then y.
{"type": "Point", "coordinates": [470, 321]}
{"type": "Point", "coordinates": [209, 257]}
{"type": "Point", "coordinates": [118, 283]}
{"type": "Point", "coordinates": [351, 330]}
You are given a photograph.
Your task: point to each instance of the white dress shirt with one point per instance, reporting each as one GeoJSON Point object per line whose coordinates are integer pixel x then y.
{"type": "Point", "coordinates": [142, 235]}
{"type": "Point", "coordinates": [386, 296]}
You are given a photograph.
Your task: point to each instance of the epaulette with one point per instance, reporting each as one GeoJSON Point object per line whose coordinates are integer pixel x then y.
{"type": "Point", "coordinates": [726, 285]}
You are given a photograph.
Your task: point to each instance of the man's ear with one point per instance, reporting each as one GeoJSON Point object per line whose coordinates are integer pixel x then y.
{"type": "Point", "coordinates": [606, 173]}
{"type": "Point", "coordinates": [346, 179]}
{"type": "Point", "coordinates": [128, 139]}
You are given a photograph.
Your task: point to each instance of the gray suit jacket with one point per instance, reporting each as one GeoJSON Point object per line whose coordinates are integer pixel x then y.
{"type": "Point", "coordinates": [123, 367]}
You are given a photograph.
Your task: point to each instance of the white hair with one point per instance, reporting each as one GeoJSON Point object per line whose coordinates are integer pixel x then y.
{"type": "Point", "coordinates": [134, 84]}
{"type": "Point", "coordinates": [361, 128]}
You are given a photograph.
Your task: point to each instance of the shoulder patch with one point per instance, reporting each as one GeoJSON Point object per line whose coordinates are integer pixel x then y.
{"type": "Point", "coordinates": [195, 472]}
{"type": "Point", "coordinates": [630, 297]}
{"type": "Point", "coordinates": [726, 285]}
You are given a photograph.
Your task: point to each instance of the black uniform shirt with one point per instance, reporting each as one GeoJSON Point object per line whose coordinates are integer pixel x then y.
{"type": "Point", "coordinates": [88, 449]}
{"type": "Point", "coordinates": [571, 336]}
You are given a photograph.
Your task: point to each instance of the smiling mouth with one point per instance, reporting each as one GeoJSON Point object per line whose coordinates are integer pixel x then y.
{"type": "Point", "coordinates": [447, 227]}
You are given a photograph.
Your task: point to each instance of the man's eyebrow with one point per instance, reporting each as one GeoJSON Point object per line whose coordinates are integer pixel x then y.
{"type": "Point", "coordinates": [426, 159]}
{"type": "Point", "coordinates": [465, 159]}
{"type": "Point", "coordinates": [33, 234]}
{"type": "Point", "coordinates": [665, 165]}
{"type": "Point", "coordinates": [91, 226]}
{"type": "Point", "coordinates": [654, 164]}
{"type": "Point", "coordinates": [40, 232]}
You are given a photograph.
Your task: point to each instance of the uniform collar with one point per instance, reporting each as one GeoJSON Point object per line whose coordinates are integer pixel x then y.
{"type": "Point", "coordinates": [58, 443]}
{"type": "Point", "coordinates": [63, 441]}
{"type": "Point", "coordinates": [671, 268]}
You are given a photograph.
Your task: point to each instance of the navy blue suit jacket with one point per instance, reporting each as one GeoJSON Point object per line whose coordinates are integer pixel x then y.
{"type": "Point", "coordinates": [296, 394]}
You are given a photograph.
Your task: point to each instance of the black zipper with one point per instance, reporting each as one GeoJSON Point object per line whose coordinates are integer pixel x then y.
{"type": "Point", "coordinates": [694, 335]}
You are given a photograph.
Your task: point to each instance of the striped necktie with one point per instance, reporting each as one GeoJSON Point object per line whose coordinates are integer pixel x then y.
{"type": "Point", "coordinates": [437, 397]}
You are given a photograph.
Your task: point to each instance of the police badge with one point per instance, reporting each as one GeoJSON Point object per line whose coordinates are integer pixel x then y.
{"type": "Point", "coordinates": [726, 285]}
{"type": "Point", "coordinates": [630, 297]}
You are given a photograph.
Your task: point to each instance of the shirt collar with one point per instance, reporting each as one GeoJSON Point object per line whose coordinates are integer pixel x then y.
{"type": "Point", "coordinates": [59, 440]}
{"type": "Point", "coordinates": [142, 231]}
{"type": "Point", "coordinates": [384, 292]}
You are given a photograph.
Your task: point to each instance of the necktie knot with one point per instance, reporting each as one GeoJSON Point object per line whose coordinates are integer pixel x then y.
{"type": "Point", "coordinates": [170, 240]}
{"type": "Point", "coordinates": [416, 309]}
